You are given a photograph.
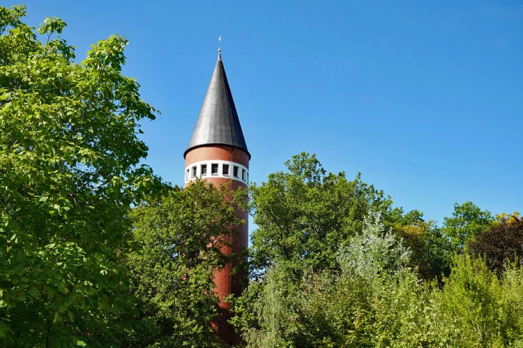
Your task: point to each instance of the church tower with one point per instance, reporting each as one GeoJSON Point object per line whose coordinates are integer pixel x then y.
{"type": "Point", "coordinates": [217, 152]}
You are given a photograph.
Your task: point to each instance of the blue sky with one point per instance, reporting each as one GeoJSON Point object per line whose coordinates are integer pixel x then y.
{"type": "Point", "coordinates": [425, 99]}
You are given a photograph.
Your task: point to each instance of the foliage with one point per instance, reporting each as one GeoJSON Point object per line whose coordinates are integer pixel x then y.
{"type": "Point", "coordinates": [431, 251]}
{"type": "Point", "coordinates": [466, 223]}
{"type": "Point", "coordinates": [476, 309]}
{"type": "Point", "coordinates": [305, 215]}
{"type": "Point", "coordinates": [339, 267]}
{"type": "Point", "coordinates": [69, 156]}
{"type": "Point", "coordinates": [376, 301]}
{"type": "Point", "coordinates": [374, 252]}
{"type": "Point", "coordinates": [413, 217]}
{"type": "Point", "coordinates": [180, 237]}
{"type": "Point", "coordinates": [500, 244]}
{"type": "Point", "coordinates": [507, 218]}
{"type": "Point", "coordinates": [330, 309]}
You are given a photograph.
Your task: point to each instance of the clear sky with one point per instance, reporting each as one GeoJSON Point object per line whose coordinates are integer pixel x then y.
{"type": "Point", "coordinates": [424, 98]}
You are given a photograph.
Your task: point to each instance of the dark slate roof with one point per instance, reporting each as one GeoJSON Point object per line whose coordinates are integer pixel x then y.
{"type": "Point", "coordinates": [218, 122]}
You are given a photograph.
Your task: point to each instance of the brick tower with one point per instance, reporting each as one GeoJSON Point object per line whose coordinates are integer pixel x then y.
{"type": "Point", "coordinates": [217, 152]}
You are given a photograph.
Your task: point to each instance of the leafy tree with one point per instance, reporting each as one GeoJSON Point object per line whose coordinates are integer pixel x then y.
{"type": "Point", "coordinates": [376, 301]}
{"type": "Point", "coordinates": [398, 216]}
{"type": "Point", "coordinates": [180, 237]}
{"type": "Point", "coordinates": [431, 251]}
{"type": "Point", "coordinates": [507, 218]}
{"type": "Point", "coordinates": [466, 223]}
{"type": "Point", "coordinates": [69, 171]}
{"type": "Point", "coordinates": [500, 244]}
{"type": "Point", "coordinates": [374, 252]}
{"type": "Point", "coordinates": [305, 215]}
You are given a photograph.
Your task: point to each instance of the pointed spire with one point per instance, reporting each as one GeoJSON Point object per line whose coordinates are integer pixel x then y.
{"type": "Point", "coordinates": [218, 122]}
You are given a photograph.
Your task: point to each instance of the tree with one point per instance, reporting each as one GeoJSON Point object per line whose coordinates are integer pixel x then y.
{"type": "Point", "coordinates": [431, 251]}
{"type": "Point", "coordinates": [305, 215]}
{"type": "Point", "coordinates": [180, 237]}
{"type": "Point", "coordinates": [501, 244]}
{"type": "Point", "coordinates": [69, 172]}
{"type": "Point", "coordinates": [466, 223]}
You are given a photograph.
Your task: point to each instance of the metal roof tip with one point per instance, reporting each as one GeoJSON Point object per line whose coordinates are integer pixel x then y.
{"type": "Point", "coordinates": [218, 122]}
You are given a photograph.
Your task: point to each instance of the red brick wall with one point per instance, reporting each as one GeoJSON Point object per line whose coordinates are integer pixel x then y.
{"type": "Point", "coordinates": [217, 152]}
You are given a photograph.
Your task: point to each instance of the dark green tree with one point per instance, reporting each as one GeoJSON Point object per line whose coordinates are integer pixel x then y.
{"type": "Point", "coordinates": [305, 215]}
{"type": "Point", "coordinates": [69, 172]}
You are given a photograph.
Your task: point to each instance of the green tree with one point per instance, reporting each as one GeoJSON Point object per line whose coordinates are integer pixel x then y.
{"type": "Point", "coordinates": [305, 215]}
{"type": "Point", "coordinates": [413, 217]}
{"type": "Point", "coordinates": [431, 250]}
{"type": "Point", "coordinates": [180, 237]}
{"type": "Point", "coordinates": [69, 172]}
{"type": "Point", "coordinates": [466, 223]}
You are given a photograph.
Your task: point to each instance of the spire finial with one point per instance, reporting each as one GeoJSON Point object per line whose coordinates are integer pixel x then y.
{"type": "Point", "coordinates": [220, 48]}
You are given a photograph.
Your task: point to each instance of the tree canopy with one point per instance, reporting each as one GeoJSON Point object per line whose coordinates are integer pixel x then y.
{"type": "Point", "coordinates": [69, 172]}
{"type": "Point", "coordinates": [305, 215]}
{"type": "Point", "coordinates": [466, 223]}
{"type": "Point", "coordinates": [501, 244]}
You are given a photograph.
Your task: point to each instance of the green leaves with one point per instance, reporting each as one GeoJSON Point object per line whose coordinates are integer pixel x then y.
{"type": "Point", "coordinates": [466, 223]}
{"type": "Point", "coordinates": [180, 238]}
{"type": "Point", "coordinates": [11, 17]}
{"type": "Point", "coordinates": [375, 301]}
{"type": "Point", "coordinates": [305, 215]}
{"type": "Point", "coordinates": [52, 25]}
{"type": "Point", "coordinates": [69, 172]}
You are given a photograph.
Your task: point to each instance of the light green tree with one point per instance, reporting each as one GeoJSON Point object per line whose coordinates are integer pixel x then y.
{"type": "Point", "coordinates": [476, 308]}
{"type": "Point", "coordinates": [69, 172]}
{"type": "Point", "coordinates": [466, 223]}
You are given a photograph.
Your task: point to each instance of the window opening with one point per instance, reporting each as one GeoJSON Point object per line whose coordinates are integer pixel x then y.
{"type": "Point", "coordinates": [214, 169]}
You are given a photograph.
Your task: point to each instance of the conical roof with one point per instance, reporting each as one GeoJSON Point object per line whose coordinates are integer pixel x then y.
{"type": "Point", "coordinates": [218, 122]}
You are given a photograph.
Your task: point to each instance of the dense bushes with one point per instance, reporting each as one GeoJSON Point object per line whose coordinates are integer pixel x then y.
{"type": "Point", "coordinates": [377, 301]}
